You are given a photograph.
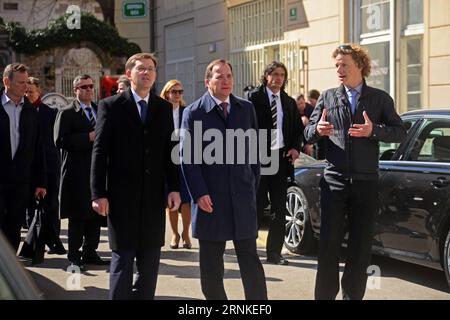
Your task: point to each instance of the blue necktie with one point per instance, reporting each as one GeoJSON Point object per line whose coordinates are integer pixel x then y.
{"type": "Point", "coordinates": [144, 109]}
{"type": "Point", "coordinates": [352, 97]}
{"type": "Point", "coordinates": [91, 117]}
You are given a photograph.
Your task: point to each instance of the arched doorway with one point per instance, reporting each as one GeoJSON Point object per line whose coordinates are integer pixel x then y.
{"type": "Point", "coordinates": [76, 62]}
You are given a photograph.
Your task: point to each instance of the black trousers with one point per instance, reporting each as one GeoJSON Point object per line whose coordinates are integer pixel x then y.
{"type": "Point", "coordinates": [276, 186]}
{"type": "Point", "coordinates": [212, 269]}
{"type": "Point", "coordinates": [359, 202]}
{"type": "Point", "coordinates": [13, 201]}
{"type": "Point", "coordinates": [83, 233]}
{"type": "Point", "coordinates": [121, 274]}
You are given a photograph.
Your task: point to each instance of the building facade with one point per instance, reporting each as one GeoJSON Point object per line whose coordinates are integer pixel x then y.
{"type": "Point", "coordinates": [409, 42]}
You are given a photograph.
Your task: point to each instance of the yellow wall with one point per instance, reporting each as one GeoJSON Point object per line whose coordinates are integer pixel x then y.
{"type": "Point", "coordinates": [136, 30]}
{"type": "Point", "coordinates": [438, 48]}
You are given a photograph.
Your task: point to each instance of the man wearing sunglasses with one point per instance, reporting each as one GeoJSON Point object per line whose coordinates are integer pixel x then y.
{"type": "Point", "coordinates": [74, 135]}
{"type": "Point", "coordinates": [353, 118]}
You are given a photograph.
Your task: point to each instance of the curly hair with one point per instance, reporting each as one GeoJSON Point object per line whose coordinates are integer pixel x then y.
{"type": "Point", "coordinates": [359, 54]}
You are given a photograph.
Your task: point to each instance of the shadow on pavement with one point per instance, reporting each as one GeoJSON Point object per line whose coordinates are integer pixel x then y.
{"type": "Point", "coordinates": [55, 292]}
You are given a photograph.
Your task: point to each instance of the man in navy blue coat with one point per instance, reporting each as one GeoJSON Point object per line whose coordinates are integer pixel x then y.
{"type": "Point", "coordinates": [223, 181]}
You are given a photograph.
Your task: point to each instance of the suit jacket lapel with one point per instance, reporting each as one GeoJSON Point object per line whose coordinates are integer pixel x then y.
{"type": "Point", "coordinates": [154, 109]}
{"type": "Point", "coordinates": [130, 106]}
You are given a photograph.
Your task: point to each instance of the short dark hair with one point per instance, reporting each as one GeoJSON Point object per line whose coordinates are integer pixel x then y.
{"type": "Point", "coordinates": [80, 77]}
{"type": "Point", "coordinates": [208, 71]}
{"type": "Point", "coordinates": [271, 68]}
{"type": "Point", "coordinates": [12, 68]}
{"type": "Point", "coordinates": [124, 79]}
{"type": "Point", "coordinates": [313, 94]}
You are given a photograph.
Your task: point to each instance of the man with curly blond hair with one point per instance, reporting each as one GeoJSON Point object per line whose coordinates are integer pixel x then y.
{"type": "Point", "coordinates": [353, 118]}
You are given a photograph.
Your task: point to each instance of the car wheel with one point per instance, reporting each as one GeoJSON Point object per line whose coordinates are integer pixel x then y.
{"type": "Point", "coordinates": [446, 257]}
{"type": "Point", "coordinates": [299, 237]}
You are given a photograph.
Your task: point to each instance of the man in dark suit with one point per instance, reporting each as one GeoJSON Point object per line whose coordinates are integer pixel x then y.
{"type": "Point", "coordinates": [21, 153]}
{"type": "Point", "coordinates": [74, 134]}
{"type": "Point", "coordinates": [277, 113]}
{"type": "Point", "coordinates": [47, 118]}
{"type": "Point", "coordinates": [223, 188]}
{"type": "Point", "coordinates": [131, 164]}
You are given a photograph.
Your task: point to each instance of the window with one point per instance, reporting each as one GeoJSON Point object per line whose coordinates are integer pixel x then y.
{"type": "Point", "coordinates": [413, 73]}
{"type": "Point", "coordinates": [433, 143]}
{"type": "Point", "coordinates": [388, 149]}
{"type": "Point", "coordinates": [11, 6]}
{"type": "Point", "coordinates": [375, 15]}
{"type": "Point", "coordinates": [412, 13]}
{"type": "Point", "coordinates": [380, 71]}
{"type": "Point", "coordinates": [180, 56]}
{"type": "Point", "coordinates": [411, 53]}
{"type": "Point", "coordinates": [372, 28]}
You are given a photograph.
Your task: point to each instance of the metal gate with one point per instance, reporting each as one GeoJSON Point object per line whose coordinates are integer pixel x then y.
{"type": "Point", "coordinates": [248, 65]}
{"type": "Point", "coordinates": [77, 62]}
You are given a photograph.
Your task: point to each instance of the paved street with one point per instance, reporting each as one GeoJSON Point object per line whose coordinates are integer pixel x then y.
{"type": "Point", "coordinates": [179, 277]}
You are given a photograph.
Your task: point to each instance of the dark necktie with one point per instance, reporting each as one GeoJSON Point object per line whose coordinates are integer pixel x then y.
{"type": "Point", "coordinates": [273, 110]}
{"type": "Point", "coordinates": [91, 117]}
{"type": "Point", "coordinates": [144, 109]}
{"type": "Point", "coordinates": [224, 108]}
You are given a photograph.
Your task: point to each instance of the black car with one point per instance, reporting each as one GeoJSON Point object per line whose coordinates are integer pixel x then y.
{"type": "Point", "coordinates": [413, 223]}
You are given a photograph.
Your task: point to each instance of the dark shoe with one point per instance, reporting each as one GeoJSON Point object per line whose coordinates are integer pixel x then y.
{"type": "Point", "coordinates": [277, 259]}
{"type": "Point", "coordinates": [187, 242]}
{"type": "Point", "coordinates": [59, 250]}
{"type": "Point", "coordinates": [94, 259]}
{"type": "Point", "coordinates": [187, 245]}
{"type": "Point", "coordinates": [175, 241]}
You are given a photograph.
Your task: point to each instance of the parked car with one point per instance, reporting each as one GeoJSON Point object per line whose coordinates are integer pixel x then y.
{"type": "Point", "coordinates": [15, 283]}
{"type": "Point", "coordinates": [413, 223]}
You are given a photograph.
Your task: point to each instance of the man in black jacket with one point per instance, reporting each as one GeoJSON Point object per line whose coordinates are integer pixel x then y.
{"type": "Point", "coordinates": [47, 118]}
{"type": "Point", "coordinates": [353, 118]}
{"type": "Point", "coordinates": [74, 135]}
{"type": "Point", "coordinates": [277, 113]}
{"type": "Point", "coordinates": [21, 153]}
{"type": "Point", "coordinates": [131, 164]}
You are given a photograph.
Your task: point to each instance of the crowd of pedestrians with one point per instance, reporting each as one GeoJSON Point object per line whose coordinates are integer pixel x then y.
{"type": "Point", "coordinates": [122, 163]}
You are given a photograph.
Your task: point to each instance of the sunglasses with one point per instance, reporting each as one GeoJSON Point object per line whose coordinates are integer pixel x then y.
{"type": "Point", "coordinates": [346, 47]}
{"type": "Point", "coordinates": [177, 91]}
{"type": "Point", "coordinates": [86, 86]}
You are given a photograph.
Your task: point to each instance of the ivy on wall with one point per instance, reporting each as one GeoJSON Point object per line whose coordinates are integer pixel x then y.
{"type": "Point", "coordinates": [57, 34]}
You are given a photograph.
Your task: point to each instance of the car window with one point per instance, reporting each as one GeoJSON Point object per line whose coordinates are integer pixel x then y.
{"type": "Point", "coordinates": [433, 142]}
{"type": "Point", "coordinates": [387, 149]}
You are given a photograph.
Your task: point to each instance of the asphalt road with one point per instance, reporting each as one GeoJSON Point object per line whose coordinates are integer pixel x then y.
{"type": "Point", "coordinates": [180, 278]}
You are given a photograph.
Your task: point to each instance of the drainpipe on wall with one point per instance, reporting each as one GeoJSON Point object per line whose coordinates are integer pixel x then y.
{"type": "Point", "coordinates": [152, 11]}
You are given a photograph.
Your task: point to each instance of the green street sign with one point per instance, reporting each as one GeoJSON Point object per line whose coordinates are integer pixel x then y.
{"type": "Point", "coordinates": [134, 10]}
{"type": "Point", "coordinates": [293, 14]}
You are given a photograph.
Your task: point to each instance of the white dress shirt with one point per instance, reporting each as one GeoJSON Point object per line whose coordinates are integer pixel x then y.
{"type": "Point", "coordinates": [13, 112]}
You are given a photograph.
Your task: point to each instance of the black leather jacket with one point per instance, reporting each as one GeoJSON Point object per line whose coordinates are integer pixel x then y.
{"type": "Point", "coordinates": [350, 157]}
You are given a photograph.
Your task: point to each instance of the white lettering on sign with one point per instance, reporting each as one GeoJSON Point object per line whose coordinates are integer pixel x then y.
{"type": "Point", "coordinates": [374, 17]}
